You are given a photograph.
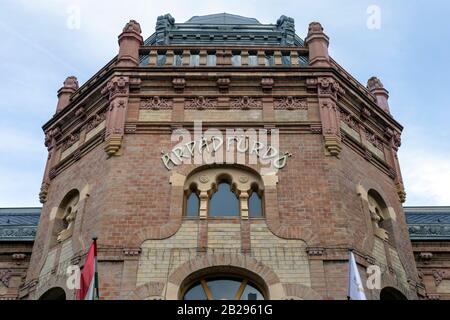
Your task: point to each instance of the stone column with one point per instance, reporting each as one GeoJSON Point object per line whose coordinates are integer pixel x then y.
{"type": "Point", "coordinates": [129, 42]}
{"type": "Point", "coordinates": [328, 89]}
{"type": "Point", "coordinates": [395, 143]}
{"type": "Point", "coordinates": [67, 90]}
{"type": "Point", "coordinates": [51, 135]}
{"type": "Point", "coordinates": [129, 272]}
{"type": "Point", "coordinates": [317, 42]}
{"type": "Point", "coordinates": [317, 270]}
{"type": "Point", "coordinates": [117, 91]}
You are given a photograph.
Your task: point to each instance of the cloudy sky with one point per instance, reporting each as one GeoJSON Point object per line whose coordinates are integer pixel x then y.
{"type": "Point", "coordinates": [43, 42]}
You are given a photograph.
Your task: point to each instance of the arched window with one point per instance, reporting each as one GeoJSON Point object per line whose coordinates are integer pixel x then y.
{"type": "Point", "coordinates": [192, 203]}
{"type": "Point", "coordinates": [65, 217]}
{"type": "Point", "coordinates": [255, 203]}
{"type": "Point", "coordinates": [223, 191]}
{"type": "Point", "coordinates": [223, 288]}
{"type": "Point", "coordinates": [381, 219]}
{"type": "Point", "coordinates": [224, 202]}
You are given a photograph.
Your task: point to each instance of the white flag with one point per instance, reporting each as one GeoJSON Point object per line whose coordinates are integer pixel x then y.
{"type": "Point", "coordinates": [355, 287]}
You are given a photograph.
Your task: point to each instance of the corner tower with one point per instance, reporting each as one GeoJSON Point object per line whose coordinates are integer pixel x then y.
{"type": "Point", "coordinates": [308, 170]}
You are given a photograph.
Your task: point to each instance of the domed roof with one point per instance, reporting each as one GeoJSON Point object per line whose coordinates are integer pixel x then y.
{"type": "Point", "coordinates": [222, 18]}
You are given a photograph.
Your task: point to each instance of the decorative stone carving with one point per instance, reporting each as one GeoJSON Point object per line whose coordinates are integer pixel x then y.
{"type": "Point", "coordinates": [373, 139]}
{"type": "Point", "coordinates": [200, 103]}
{"type": "Point", "coordinates": [223, 84]}
{"type": "Point", "coordinates": [349, 120]}
{"type": "Point", "coordinates": [291, 103]}
{"type": "Point", "coordinates": [132, 252]}
{"type": "Point", "coordinates": [426, 256]}
{"type": "Point", "coordinates": [157, 103]}
{"type": "Point", "coordinates": [179, 84]}
{"type": "Point", "coordinates": [397, 140]}
{"type": "Point", "coordinates": [246, 103]}
{"type": "Point", "coordinates": [80, 112]}
{"type": "Point", "coordinates": [117, 86]}
{"type": "Point", "coordinates": [440, 275]}
{"type": "Point", "coordinates": [332, 145]}
{"type": "Point", "coordinates": [94, 121]}
{"type": "Point", "coordinates": [66, 215]}
{"type": "Point", "coordinates": [243, 179]}
{"type": "Point", "coordinates": [429, 231]}
{"type": "Point", "coordinates": [316, 128]}
{"type": "Point", "coordinates": [329, 87]}
{"type": "Point", "coordinates": [71, 140]}
{"type": "Point", "coordinates": [19, 258]}
{"type": "Point", "coordinates": [5, 275]}
{"type": "Point", "coordinates": [43, 194]}
{"type": "Point", "coordinates": [365, 113]}
{"type": "Point", "coordinates": [69, 219]}
{"type": "Point", "coordinates": [267, 84]}
{"type": "Point", "coordinates": [287, 26]}
{"type": "Point", "coordinates": [315, 251]}
{"type": "Point", "coordinates": [13, 232]}
{"type": "Point", "coordinates": [163, 24]}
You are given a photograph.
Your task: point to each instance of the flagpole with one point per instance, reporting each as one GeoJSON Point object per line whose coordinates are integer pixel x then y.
{"type": "Point", "coordinates": [94, 239]}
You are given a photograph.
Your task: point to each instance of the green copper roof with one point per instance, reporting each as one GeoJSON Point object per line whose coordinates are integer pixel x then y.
{"type": "Point", "coordinates": [222, 18]}
{"type": "Point", "coordinates": [18, 224]}
{"type": "Point", "coordinates": [224, 29]}
{"type": "Point", "coordinates": [428, 223]}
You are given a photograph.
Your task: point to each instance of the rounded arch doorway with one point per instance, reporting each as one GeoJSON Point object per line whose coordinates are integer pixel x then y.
{"type": "Point", "coordinates": [56, 293]}
{"type": "Point", "coordinates": [223, 283]}
{"type": "Point", "coordinates": [390, 293]}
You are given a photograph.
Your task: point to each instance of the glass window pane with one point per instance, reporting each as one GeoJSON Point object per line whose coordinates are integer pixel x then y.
{"type": "Point", "coordinates": [161, 60]}
{"type": "Point", "coordinates": [252, 60]}
{"type": "Point", "coordinates": [251, 293]}
{"type": "Point", "coordinates": [192, 205]}
{"type": "Point", "coordinates": [286, 60]}
{"type": "Point", "coordinates": [195, 293]}
{"type": "Point", "coordinates": [224, 202]}
{"type": "Point", "coordinates": [236, 60]}
{"type": "Point", "coordinates": [254, 205]}
{"type": "Point", "coordinates": [224, 289]}
{"type": "Point", "coordinates": [269, 60]}
{"type": "Point", "coordinates": [195, 60]}
{"type": "Point", "coordinates": [211, 60]}
{"type": "Point", "coordinates": [178, 60]}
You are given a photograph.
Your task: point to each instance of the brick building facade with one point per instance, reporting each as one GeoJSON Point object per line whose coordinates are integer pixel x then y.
{"type": "Point", "coordinates": [172, 228]}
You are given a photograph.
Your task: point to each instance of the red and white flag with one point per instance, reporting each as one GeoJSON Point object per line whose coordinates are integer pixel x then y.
{"type": "Point", "coordinates": [89, 277]}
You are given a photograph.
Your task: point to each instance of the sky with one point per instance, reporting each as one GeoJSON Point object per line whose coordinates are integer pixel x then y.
{"type": "Point", "coordinates": [404, 43]}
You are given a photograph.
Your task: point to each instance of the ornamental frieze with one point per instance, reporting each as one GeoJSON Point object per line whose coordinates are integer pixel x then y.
{"type": "Point", "coordinates": [95, 121]}
{"type": "Point", "coordinates": [290, 103]}
{"type": "Point", "coordinates": [17, 232]}
{"type": "Point", "coordinates": [71, 140]}
{"type": "Point", "coordinates": [200, 103]}
{"type": "Point", "coordinates": [156, 103]}
{"type": "Point", "coordinates": [373, 139]}
{"type": "Point", "coordinates": [349, 120]}
{"type": "Point", "coordinates": [429, 231]}
{"type": "Point", "coordinates": [245, 103]}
